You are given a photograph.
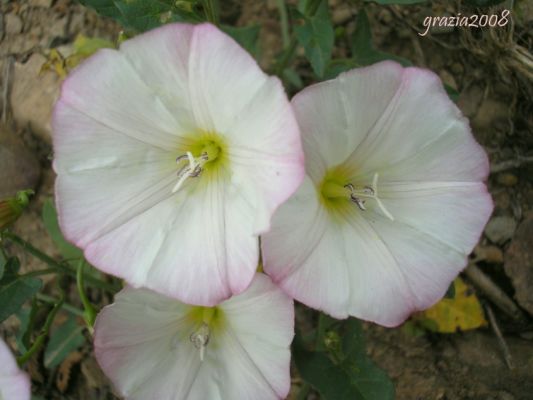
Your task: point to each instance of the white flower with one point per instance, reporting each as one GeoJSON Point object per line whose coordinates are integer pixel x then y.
{"type": "Point", "coordinates": [154, 347]}
{"type": "Point", "coordinates": [172, 155]}
{"type": "Point", "coordinates": [14, 383]}
{"type": "Point", "coordinates": [394, 200]}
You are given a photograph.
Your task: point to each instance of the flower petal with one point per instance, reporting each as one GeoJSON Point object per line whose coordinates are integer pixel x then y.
{"type": "Point", "coordinates": [196, 247]}
{"type": "Point", "coordinates": [256, 343]}
{"type": "Point", "coordinates": [430, 170]}
{"type": "Point", "coordinates": [14, 383]}
{"type": "Point", "coordinates": [142, 343]}
{"type": "Point", "coordinates": [420, 126]}
{"type": "Point", "coordinates": [123, 118]}
{"type": "Point", "coordinates": [334, 116]}
{"type": "Point", "coordinates": [304, 255]}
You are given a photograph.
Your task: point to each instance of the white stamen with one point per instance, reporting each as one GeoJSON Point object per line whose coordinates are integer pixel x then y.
{"type": "Point", "coordinates": [192, 170]}
{"type": "Point", "coordinates": [200, 339]}
{"type": "Point", "coordinates": [368, 192]}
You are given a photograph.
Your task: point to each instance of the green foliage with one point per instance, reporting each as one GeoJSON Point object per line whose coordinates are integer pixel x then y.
{"type": "Point", "coordinates": [67, 250]}
{"type": "Point", "coordinates": [246, 36]}
{"type": "Point", "coordinates": [339, 367]}
{"type": "Point", "coordinates": [317, 37]}
{"type": "Point", "coordinates": [141, 15]}
{"type": "Point", "coordinates": [64, 340]}
{"type": "Point", "coordinates": [15, 289]}
{"type": "Point", "coordinates": [363, 50]}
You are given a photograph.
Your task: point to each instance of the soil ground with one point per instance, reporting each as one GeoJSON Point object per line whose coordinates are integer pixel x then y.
{"type": "Point", "coordinates": [492, 71]}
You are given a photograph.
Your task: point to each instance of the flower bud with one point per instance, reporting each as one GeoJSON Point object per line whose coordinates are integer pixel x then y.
{"type": "Point", "coordinates": [12, 207]}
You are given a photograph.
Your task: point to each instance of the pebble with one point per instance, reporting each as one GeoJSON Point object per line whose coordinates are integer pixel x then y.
{"type": "Point", "coordinates": [507, 179]}
{"type": "Point", "coordinates": [490, 254]}
{"type": "Point", "coordinates": [500, 229]}
{"type": "Point", "coordinates": [13, 24]}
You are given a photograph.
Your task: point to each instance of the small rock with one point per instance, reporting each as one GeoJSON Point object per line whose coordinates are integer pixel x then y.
{"type": "Point", "coordinates": [457, 68]}
{"type": "Point", "coordinates": [500, 229]}
{"type": "Point", "coordinates": [502, 200]}
{"type": "Point", "coordinates": [490, 254]}
{"type": "Point", "coordinates": [507, 179]}
{"type": "Point", "coordinates": [19, 169]}
{"type": "Point", "coordinates": [489, 111]}
{"type": "Point", "coordinates": [505, 396]}
{"type": "Point", "coordinates": [341, 15]}
{"type": "Point", "coordinates": [519, 264]}
{"type": "Point", "coordinates": [13, 24]}
{"type": "Point", "coordinates": [33, 95]}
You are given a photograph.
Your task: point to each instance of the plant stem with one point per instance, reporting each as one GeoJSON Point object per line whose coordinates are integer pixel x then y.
{"type": "Point", "coordinates": [211, 11]}
{"type": "Point", "coordinates": [89, 313]}
{"type": "Point", "coordinates": [288, 54]}
{"type": "Point", "coordinates": [53, 264]}
{"type": "Point", "coordinates": [284, 22]}
{"type": "Point", "coordinates": [38, 273]}
{"type": "Point", "coordinates": [39, 341]}
{"type": "Point", "coordinates": [66, 306]}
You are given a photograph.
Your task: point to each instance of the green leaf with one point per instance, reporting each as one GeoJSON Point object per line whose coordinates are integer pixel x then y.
{"type": "Point", "coordinates": [452, 93]}
{"type": "Point", "coordinates": [23, 316]}
{"type": "Point", "coordinates": [363, 50]}
{"type": "Point", "coordinates": [246, 36]}
{"type": "Point", "coordinates": [67, 250]}
{"type": "Point", "coordinates": [14, 291]}
{"type": "Point", "coordinates": [3, 262]}
{"type": "Point", "coordinates": [317, 37]}
{"type": "Point", "coordinates": [337, 66]}
{"type": "Point", "coordinates": [64, 340]}
{"type": "Point", "coordinates": [371, 381]}
{"type": "Point", "coordinates": [293, 78]}
{"type": "Point", "coordinates": [142, 15]}
{"type": "Point", "coordinates": [343, 372]}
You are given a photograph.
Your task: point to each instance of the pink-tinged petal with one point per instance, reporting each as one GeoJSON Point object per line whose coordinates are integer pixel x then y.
{"type": "Point", "coordinates": [304, 254]}
{"type": "Point", "coordinates": [14, 383]}
{"type": "Point", "coordinates": [453, 213]}
{"type": "Point", "coordinates": [224, 79]}
{"type": "Point", "coordinates": [143, 344]}
{"type": "Point", "coordinates": [275, 171]}
{"type": "Point", "coordinates": [162, 58]}
{"type": "Point", "coordinates": [194, 247]}
{"type": "Point", "coordinates": [329, 111]}
{"type": "Point", "coordinates": [257, 338]}
{"type": "Point", "coordinates": [110, 91]}
{"type": "Point", "coordinates": [420, 171]}
{"type": "Point", "coordinates": [123, 118]}
{"type": "Point", "coordinates": [420, 123]}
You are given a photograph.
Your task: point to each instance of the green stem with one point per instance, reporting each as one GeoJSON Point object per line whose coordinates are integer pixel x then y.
{"type": "Point", "coordinates": [39, 341]}
{"type": "Point", "coordinates": [321, 331]}
{"type": "Point", "coordinates": [211, 11]}
{"type": "Point", "coordinates": [89, 313]}
{"type": "Point", "coordinates": [284, 22]}
{"type": "Point", "coordinates": [38, 273]}
{"type": "Point", "coordinates": [66, 306]}
{"type": "Point", "coordinates": [53, 264]}
{"type": "Point", "coordinates": [288, 54]}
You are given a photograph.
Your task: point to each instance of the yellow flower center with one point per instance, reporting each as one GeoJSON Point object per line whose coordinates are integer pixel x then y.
{"type": "Point", "coordinates": [204, 154]}
{"type": "Point", "coordinates": [337, 193]}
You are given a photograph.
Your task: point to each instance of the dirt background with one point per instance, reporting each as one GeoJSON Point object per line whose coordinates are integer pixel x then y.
{"type": "Point", "coordinates": [492, 71]}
